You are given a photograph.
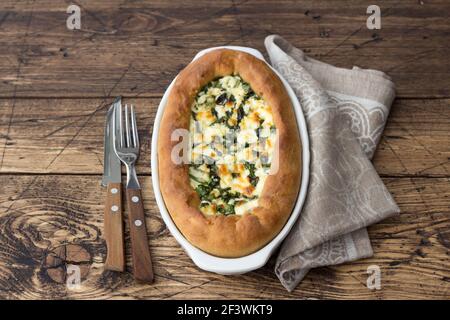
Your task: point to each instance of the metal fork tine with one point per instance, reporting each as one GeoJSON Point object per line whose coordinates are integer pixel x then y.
{"type": "Point", "coordinates": [134, 128]}
{"type": "Point", "coordinates": [128, 154]}
{"type": "Point", "coordinates": [127, 127]}
{"type": "Point", "coordinates": [121, 127]}
{"type": "Point", "coordinates": [116, 127]}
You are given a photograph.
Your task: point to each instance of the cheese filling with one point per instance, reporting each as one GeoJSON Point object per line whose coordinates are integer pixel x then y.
{"type": "Point", "coordinates": [232, 137]}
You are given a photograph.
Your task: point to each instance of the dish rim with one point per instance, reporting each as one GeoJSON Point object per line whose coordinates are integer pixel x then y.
{"type": "Point", "coordinates": [259, 258]}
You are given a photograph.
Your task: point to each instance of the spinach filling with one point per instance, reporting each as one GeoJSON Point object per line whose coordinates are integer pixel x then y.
{"type": "Point", "coordinates": [210, 190]}
{"type": "Point", "coordinates": [227, 100]}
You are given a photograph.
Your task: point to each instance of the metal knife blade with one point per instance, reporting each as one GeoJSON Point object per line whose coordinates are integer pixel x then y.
{"type": "Point", "coordinates": [111, 164]}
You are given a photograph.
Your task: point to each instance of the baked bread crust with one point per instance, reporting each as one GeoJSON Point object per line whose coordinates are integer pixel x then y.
{"type": "Point", "coordinates": [232, 235]}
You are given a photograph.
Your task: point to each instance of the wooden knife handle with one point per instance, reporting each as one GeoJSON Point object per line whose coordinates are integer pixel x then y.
{"type": "Point", "coordinates": [142, 262]}
{"type": "Point", "coordinates": [113, 225]}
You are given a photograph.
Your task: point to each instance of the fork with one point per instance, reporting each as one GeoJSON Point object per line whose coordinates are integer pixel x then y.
{"type": "Point", "coordinates": [126, 146]}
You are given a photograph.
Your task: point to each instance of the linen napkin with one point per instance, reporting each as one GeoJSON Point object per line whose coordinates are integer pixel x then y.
{"type": "Point", "coordinates": [345, 111]}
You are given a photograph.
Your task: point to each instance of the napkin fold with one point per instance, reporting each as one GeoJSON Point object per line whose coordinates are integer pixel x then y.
{"type": "Point", "coordinates": [345, 111]}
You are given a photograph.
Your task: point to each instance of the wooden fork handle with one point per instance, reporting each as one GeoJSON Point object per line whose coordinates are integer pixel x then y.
{"type": "Point", "coordinates": [142, 262]}
{"type": "Point", "coordinates": [113, 228]}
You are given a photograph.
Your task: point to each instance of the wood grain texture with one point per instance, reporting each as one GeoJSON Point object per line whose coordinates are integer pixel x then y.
{"type": "Point", "coordinates": [39, 214]}
{"type": "Point", "coordinates": [140, 251]}
{"type": "Point", "coordinates": [137, 47]}
{"type": "Point", "coordinates": [66, 136]}
{"type": "Point", "coordinates": [113, 228]}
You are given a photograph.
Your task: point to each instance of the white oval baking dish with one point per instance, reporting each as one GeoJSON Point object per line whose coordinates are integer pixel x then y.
{"type": "Point", "coordinates": [259, 258]}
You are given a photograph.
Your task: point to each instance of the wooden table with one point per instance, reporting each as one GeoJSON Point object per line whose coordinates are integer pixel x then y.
{"type": "Point", "coordinates": [55, 85]}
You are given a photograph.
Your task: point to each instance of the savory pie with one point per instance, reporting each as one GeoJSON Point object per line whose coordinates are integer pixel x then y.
{"type": "Point", "coordinates": [231, 180]}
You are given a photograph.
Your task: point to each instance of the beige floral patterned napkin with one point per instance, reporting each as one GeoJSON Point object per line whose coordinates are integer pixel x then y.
{"type": "Point", "coordinates": [345, 111]}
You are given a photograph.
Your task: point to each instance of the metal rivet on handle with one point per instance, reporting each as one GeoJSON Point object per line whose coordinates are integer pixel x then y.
{"type": "Point", "coordinates": [135, 199]}
{"type": "Point", "coordinates": [114, 208]}
{"type": "Point", "coordinates": [138, 223]}
{"type": "Point", "coordinates": [114, 190]}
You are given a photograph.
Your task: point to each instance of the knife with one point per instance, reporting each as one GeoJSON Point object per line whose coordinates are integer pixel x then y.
{"type": "Point", "coordinates": [112, 180]}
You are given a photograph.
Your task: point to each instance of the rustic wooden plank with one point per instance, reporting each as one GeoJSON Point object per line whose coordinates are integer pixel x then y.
{"type": "Point", "coordinates": [39, 215]}
{"type": "Point", "coordinates": [416, 140]}
{"type": "Point", "coordinates": [66, 136]}
{"type": "Point", "coordinates": [138, 47]}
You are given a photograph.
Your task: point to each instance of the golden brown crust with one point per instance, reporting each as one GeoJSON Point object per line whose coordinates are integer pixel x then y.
{"type": "Point", "coordinates": [230, 236]}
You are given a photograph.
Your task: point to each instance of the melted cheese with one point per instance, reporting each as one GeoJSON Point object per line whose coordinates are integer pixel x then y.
{"type": "Point", "coordinates": [245, 207]}
{"type": "Point", "coordinates": [231, 129]}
